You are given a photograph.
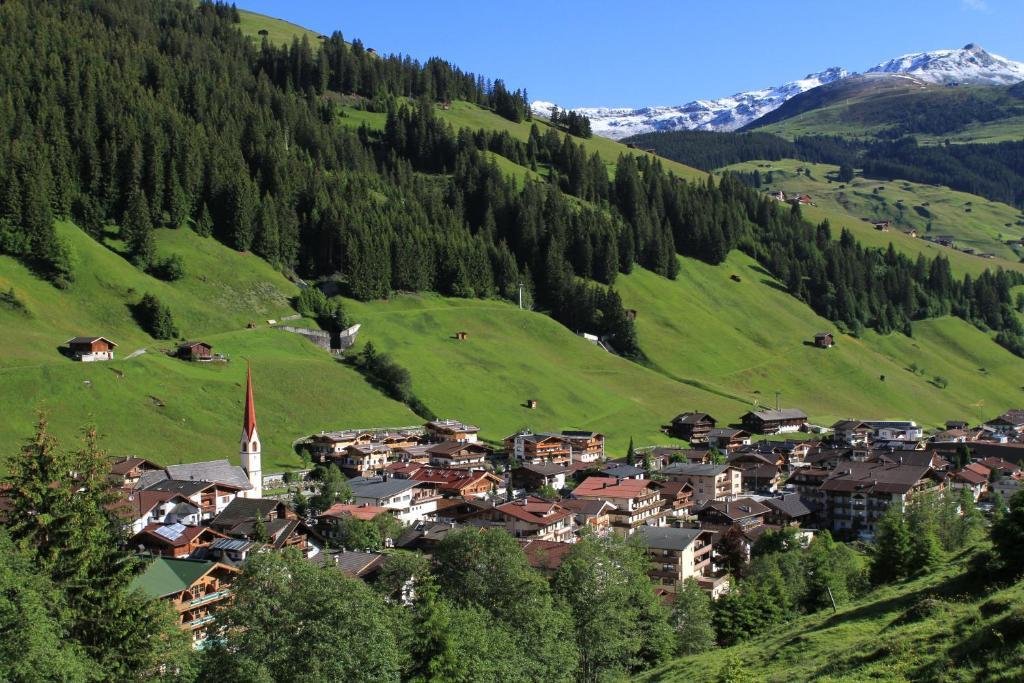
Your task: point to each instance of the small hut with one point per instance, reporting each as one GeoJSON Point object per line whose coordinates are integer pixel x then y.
{"type": "Point", "coordinates": [531, 403]}
{"type": "Point", "coordinates": [462, 336]}
{"type": "Point", "coordinates": [824, 340]}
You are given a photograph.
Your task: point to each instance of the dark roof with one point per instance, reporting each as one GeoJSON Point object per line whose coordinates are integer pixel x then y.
{"type": "Point", "coordinates": [667, 538]}
{"type": "Point", "coordinates": [622, 471]}
{"type": "Point", "coordinates": [245, 510]}
{"type": "Point", "coordinates": [775, 415]}
{"type": "Point", "coordinates": [186, 487]}
{"type": "Point", "coordinates": [126, 465]}
{"type": "Point", "coordinates": [378, 487]}
{"type": "Point", "coordinates": [791, 505]}
{"type": "Point", "coordinates": [585, 506]}
{"type": "Point", "coordinates": [850, 424]}
{"type": "Point", "coordinates": [874, 477]}
{"type": "Point", "coordinates": [692, 418]}
{"type": "Point", "coordinates": [736, 509]}
{"type": "Point", "coordinates": [88, 340]}
{"type": "Point", "coordinates": [217, 471]}
{"type": "Point", "coordinates": [695, 469]}
{"type": "Point", "coordinates": [164, 576]}
{"type": "Point", "coordinates": [545, 554]}
{"type": "Point", "coordinates": [544, 469]}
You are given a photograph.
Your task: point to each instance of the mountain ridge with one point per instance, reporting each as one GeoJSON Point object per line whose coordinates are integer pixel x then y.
{"type": "Point", "coordinates": [970, 64]}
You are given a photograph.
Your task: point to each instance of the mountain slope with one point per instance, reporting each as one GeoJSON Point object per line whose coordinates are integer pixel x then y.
{"type": "Point", "coordinates": [749, 339]}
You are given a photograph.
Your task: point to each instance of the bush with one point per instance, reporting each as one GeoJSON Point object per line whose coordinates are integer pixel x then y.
{"type": "Point", "coordinates": [390, 377]}
{"type": "Point", "coordinates": [10, 300]}
{"type": "Point", "coordinates": [311, 303]}
{"type": "Point", "coordinates": [170, 269]}
{"type": "Point", "coordinates": [155, 318]}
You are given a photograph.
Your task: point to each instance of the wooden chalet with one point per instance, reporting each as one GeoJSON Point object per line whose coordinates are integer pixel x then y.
{"type": "Point", "coordinates": [452, 430]}
{"type": "Point", "coordinates": [532, 518]}
{"type": "Point", "coordinates": [824, 340]}
{"type": "Point", "coordinates": [195, 351]}
{"type": "Point", "coordinates": [692, 427]}
{"type": "Point", "coordinates": [173, 540]}
{"type": "Point", "coordinates": [89, 349]}
{"type": "Point", "coordinates": [195, 590]}
{"type": "Point", "coordinates": [728, 439]}
{"type": "Point", "coordinates": [774, 421]}
{"type": "Point", "coordinates": [126, 472]}
{"type": "Point", "coordinates": [458, 455]}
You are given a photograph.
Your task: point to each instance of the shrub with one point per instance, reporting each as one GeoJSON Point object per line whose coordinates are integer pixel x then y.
{"type": "Point", "coordinates": [155, 318]}
{"type": "Point", "coordinates": [170, 269]}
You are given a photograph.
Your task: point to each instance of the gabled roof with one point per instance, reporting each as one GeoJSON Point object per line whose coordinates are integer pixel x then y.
{"type": "Point", "coordinates": [165, 576]}
{"type": "Point", "coordinates": [88, 340]}
{"type": "Point", "coordinates": [970, 476]}
{"type": "Point", "coordinates": [216, 471]}
{"type": "Point", "coordinates": [790, 505]}
{"type": "Point", "coordinates": [364, 512]}
{"type": "Point", "coordinates": [173, 535]}
{"type": "Point", "coordinates": [695, 469]}
{"type": "Point", "coordinates": [546, 554]}
{"type": "Point", "coordinates": [846, 425]}
{"type": "Point", "coordinates": [242, 510]}
{"type": "Point", "coordinates": [544, 469]}
{"type": "Point", "coordinates": [775, 415]}
{"type": "Point", "coordinates": [451, 425]}
{"type": "Point", "coordinates": [741, 508]}
{"type": "Point", "coordinates": [193, 344]}
{"type": "Point", "coordinates": [535, 510]}
{"type": "Point", "coordinates": [668, 538]}
{"type": "Point", "coordinates": [600, 487]}
{"type": "Point", "coordinates": [1004, 466]}
{"type": "Point", "coordinates": [186, 487]}
{"type": "Point", "coordinates": [691, 418]}
{"type": "Point", "coordinates": [123, 466]}
{"type": "Point", "coordinates": [623, 471]}
{"type": "Point", "coordinates": [866, 477]}
{"type": "Point", "coordinates": [378, 487]}
{"type": "Point", "coordinates": [451, 448]}
{"type": "Point", "coordinates": [589, 507]}
{"type": "Point", "coordinates": [139, 503]}
{"type": "Point", "coordinates": [727, 432]}
{"type": "Point", "coordinates": [354, 563]}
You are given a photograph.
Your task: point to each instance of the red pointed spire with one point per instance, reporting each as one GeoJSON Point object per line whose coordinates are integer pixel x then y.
{"type": "Point", "coordinates": [249, 421]}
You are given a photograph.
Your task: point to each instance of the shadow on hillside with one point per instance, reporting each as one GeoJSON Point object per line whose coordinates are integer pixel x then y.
{"type": "Point", "coordinates": [760, 270]}
{"type": "Point", "coordinates": [774, 285]}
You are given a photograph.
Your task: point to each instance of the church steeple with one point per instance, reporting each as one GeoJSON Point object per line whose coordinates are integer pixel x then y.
{"type": "Point", "coordinates": [250, 442]}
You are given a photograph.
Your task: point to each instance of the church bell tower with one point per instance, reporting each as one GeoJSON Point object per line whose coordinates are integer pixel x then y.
{"type": "Point", "coordinates": [250, 443]}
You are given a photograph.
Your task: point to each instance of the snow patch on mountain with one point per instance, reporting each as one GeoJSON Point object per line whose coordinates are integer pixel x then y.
{"type": "Point", "coordinates": [970, 64]}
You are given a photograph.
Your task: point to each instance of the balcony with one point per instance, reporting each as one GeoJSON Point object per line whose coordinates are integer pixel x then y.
{"type": "Point", "coordinates": [209, 597]}
{"type": "Point", "coordinates": [201, 621]}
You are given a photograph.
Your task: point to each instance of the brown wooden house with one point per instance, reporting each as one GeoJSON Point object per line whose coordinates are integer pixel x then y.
{"type": "Point", "coordinates": [195, 351]}
{"type": "Point", "coordinates": [89, 349]}
{"type": "Point", "coordinates": [824, 340]}
{"type": "Point", "coordinates": [693, 427]}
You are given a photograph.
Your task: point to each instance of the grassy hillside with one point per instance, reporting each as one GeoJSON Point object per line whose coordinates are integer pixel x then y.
{"type": "Point", "coordinates": [156, 406]}
{"type": "Point", "coordinates": [974, 221]}
{"type": "Point", "coordinates": [942, 627]}
{"type": "Point", "coordinates": [749, 339]}
{"type": "Point", "coordinates": [279, 31]}
{"type": "Point", "coordinates": [511, 356]}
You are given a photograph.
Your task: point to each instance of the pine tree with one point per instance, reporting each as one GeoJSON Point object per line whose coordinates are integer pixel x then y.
{"type": "Point", "coordinates": [137, 230]}
{"type": "Point", "coordinates": [630, 453]}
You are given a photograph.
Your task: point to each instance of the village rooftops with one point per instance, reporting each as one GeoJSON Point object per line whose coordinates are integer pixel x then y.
{"type": "Point", "coordinates": [669, 538]}
{"type": "Point", "coordinates": [971, 477]}
{"type": "Point", "coordinates": [544, 469]}
{"type": "Point", "coordinates": [847, 425]}
{"type": "Point", "coordinates": [726, 432]}
{"type": "Point", "coordinates": [123, 466]}
{"type": "Point", "coordinates": [546, 555]}
{"type": "Point", "coordinates": [695, 469]}
{"type": "Point", "coordinates": [1012, 417]}
{"type": "Point", "coordinates": [242, 510]}
{"type": "Point", "coordinates": [588, 507]}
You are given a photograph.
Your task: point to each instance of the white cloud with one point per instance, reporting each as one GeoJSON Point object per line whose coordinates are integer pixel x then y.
{"type": "Point", "coordinates": [976, 5]}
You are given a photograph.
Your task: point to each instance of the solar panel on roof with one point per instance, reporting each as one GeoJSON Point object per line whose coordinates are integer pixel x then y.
{"type": "Point", "coordinates": [171, 532]}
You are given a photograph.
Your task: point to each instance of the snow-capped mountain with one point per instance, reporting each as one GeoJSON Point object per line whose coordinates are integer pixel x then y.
{"type": "Point", "coordinates": [970, 64]}
{"type": "Point", "coordinates": [727, 113]}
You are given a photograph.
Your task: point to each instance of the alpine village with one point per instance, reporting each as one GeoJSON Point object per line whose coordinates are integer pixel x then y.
{"type": "Point", "coordinates": [328, 363]}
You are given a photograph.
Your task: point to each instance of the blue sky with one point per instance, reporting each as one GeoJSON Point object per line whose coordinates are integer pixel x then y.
{"type": "Point", "coordinates": [626, 53]}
